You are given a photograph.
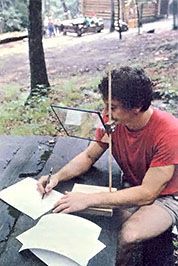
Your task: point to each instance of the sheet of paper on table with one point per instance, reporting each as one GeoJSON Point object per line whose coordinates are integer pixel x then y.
{"type": "Point", "coordinates": [68, 235]}
{"type": "Point", "coordinates": [90, 188]}
{"type": "Point", "coordinates": [24, 196]}
{"type": "Point", "coordinates": [52, 258]}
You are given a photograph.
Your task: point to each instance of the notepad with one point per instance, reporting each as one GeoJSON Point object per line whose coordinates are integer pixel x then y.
{"type": "Point", "coordinates": [24, 196]}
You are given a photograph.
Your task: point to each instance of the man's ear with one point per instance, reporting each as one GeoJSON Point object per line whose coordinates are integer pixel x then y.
{"type": "Point", "coordinates": [136, 110]}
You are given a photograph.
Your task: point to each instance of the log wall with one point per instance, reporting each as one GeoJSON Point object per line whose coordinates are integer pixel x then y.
{"type": "Point", "coordinates": [102, 8]}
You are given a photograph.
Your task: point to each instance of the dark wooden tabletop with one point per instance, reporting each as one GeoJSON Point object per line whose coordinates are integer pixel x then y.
{"type": "Point", "coordinates": [34, 156]}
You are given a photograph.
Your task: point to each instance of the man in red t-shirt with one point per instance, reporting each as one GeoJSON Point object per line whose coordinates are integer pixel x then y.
{"type": "Point", "coordinates": [145, 145]}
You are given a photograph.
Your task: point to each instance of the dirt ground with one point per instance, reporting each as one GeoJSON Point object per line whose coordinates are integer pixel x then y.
{"type": "Point", "coordinates": [70, 55]}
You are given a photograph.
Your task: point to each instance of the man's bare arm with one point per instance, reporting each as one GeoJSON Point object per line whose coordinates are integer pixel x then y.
{"type": "Point", "coordinates": [154, 182]}
{"type": "Point", "coordinates": [80, 164]}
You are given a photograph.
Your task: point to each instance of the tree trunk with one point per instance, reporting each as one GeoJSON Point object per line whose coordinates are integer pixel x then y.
{"type": "Point", "coordinates": [175, 13]}
{"type": "Point", "coordinates": [138, 16]}
{"type": "Point", "coordinates": [112, 27]}
{"type": "Point", "coordinates": [119, 26]}
{"type": "Point", "coordinates": [39, 78]}
{"type": "Point", "coordinates": [65, 9]}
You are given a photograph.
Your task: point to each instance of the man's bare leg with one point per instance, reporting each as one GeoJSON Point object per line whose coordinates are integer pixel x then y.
{"type": "Point", "coordinates": [147, 222]}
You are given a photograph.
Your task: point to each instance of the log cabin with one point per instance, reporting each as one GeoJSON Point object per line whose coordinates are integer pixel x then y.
{"type": "Point", "coordinates": [149, 10]}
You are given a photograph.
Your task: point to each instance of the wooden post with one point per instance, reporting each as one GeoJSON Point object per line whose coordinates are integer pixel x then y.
{"type": "Point", "coordinates": [110, 135]}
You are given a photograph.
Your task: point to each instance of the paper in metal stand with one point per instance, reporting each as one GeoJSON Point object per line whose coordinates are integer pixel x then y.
{"type": "Point", "coordinates": [78, 123]}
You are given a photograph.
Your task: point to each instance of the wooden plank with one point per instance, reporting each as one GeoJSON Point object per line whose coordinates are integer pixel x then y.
{"type": "Point", "coordinates": [13, 39]}
{"type": "Point", "coordinates": [99, 8]}
{"type": "Point", "coordinates": [149, 10]}
{"type": "Point", "coordinates": [103, 9]}
{"type": "Point", "coordinates": [104, 211]}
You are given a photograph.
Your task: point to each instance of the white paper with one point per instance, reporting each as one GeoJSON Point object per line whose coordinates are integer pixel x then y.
{"type": "Point", "coordinates": [90, 188]}
{"type": "Point", "coordinates": [60, 223]}
{"type": "Point", "coordinates": [76, 257]}
{"type": "Point", "coordinates": [64, 234]}
{"type": "Point", "coordinates": [73, 118]}
{"type": "Point", "coordinates": [24, 196]}
{"type": "Point", "coordinates": [175, 231]}
{"type": "Point", "coordinates": [52, 258]}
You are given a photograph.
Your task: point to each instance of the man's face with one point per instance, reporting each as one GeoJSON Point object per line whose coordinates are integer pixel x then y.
{"type": "Point", "coordinates": [118, 113]}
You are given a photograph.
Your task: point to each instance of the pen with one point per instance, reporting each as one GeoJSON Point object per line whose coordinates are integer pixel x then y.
{"type": "Point", "coordinates": [48, 180]}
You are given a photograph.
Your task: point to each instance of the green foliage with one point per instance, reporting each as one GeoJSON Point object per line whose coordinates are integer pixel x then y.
{"type": "Point", "coordinates": [73, 6]}
{"type": "Point", "coordinates": [13, 15]}
{"type": "Point", "coordinates": [175, 242]}
{"type": "Point", "coordinates": [71, 93]}
{"type": "Point", "coordinates": [52, 8]}
{"type": "Point", "coordinates": [55, 9]}
{"type": "Point", "coordinates": [25, 120]}
{"type": "Point", "coordinates": [11, 91]}
{"type": "Point", "coordinates": [22, 9]}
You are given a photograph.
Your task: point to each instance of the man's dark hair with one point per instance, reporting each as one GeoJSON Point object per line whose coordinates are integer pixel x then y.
{"type": "Point", "coordinates": [130, 86]}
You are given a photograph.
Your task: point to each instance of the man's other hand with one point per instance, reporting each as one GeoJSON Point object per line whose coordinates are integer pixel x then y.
{"type": "Point", "coordinates": [72, 202]}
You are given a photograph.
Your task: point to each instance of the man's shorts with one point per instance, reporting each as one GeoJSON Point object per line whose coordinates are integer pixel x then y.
{"type": "Point", "coordinates": [170, 204]}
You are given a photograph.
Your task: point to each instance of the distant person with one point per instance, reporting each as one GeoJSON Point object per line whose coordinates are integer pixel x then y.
{"type": "Point", "coordinates": [51, 30]}
{"type": "Point", "coordinates": [45, 26]}
{"type": "Point", "coordinates": [145, 146]}
{"type": "Point", "coordinates": [57, 26]}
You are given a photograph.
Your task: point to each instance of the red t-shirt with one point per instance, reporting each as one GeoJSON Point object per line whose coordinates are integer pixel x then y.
{"type": "Point", "coordinates": [154, 145]}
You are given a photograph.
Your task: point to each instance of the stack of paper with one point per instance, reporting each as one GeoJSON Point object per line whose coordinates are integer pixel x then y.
{"type": "Point", "coordinates": [63, 234]}
{"type": "Point", "coordinates": [57, 239]}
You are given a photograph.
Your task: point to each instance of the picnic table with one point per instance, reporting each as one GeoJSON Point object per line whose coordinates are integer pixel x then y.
{"type": "Point", "coordinates": [82, 25]}
{"type": "Point", "coordinates": [33, 156]}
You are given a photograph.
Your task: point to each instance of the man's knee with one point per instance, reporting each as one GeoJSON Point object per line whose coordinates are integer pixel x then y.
{"type": "Point", "coordinates": [128, 250]}
{"type": "Point", "coordinates": [129, 235]}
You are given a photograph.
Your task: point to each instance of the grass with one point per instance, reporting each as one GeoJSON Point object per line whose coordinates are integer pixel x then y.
{"type": "Point", "coordinates": [77, 91]}
{"type": "Point", "coordinates": [18, 119]}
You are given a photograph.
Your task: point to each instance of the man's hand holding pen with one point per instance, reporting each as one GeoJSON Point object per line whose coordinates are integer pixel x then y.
{"type": "Point", "coordinates": [69, 202]}
{"type": "Point", "coordinates": [46, 183]}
